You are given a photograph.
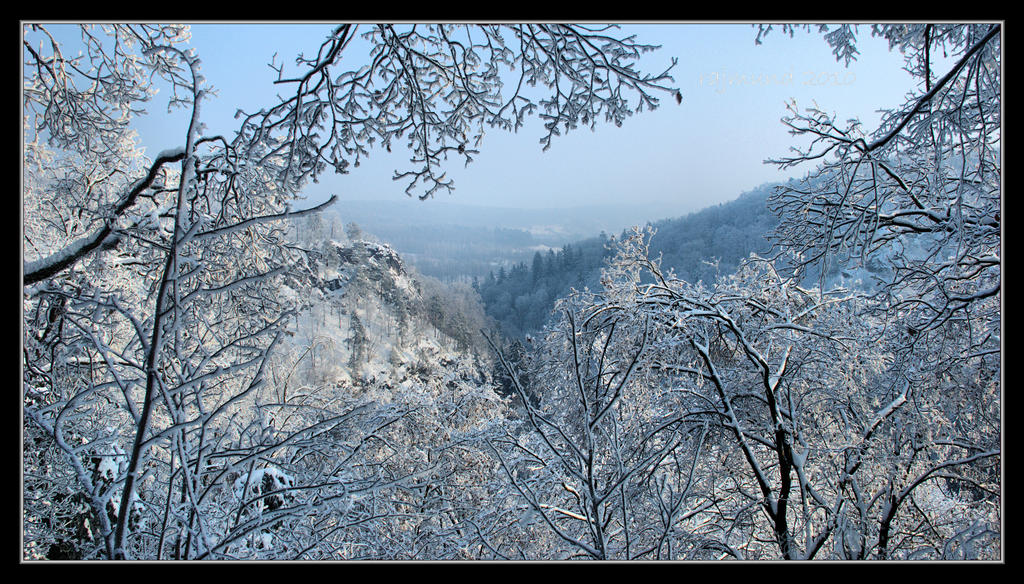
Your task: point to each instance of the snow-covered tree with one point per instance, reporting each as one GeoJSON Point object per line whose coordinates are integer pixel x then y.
{"type": "Point", "coordinates": [437, 87]}
{"type": "Point", "coordinates": [918, 204]}
{"type": "Point", "coordinates": [611, 462]}
{"type": "Point", "coordinates": [156, 289]}
{"type": "Point", "coordinates": [921, 195]}
{"type": "Point", "coordinates": [160, 307]}
{"type": "Point", "coordinates": [816, 437]}
{"type": "Point", "coordinates": [402, 466]}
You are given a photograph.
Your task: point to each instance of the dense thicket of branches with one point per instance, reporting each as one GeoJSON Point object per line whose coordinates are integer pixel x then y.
{"type": "Point", "coordinates": [155, 288]}
{"type": "Point", "coordinates": [752, 419]}
{"type": "Point", "coordinates": [827, 422]}
{"type": "Point", "coordinates": [921, 199]}
{"type": "Point", "coordinates": [764, 414]}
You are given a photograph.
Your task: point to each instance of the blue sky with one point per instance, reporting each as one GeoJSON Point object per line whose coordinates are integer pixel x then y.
{"type": "Point", "coordinates": [682, 157]}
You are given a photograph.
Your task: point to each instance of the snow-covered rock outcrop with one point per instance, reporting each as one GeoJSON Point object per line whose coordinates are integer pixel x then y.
{"type": "Point", "coordinates": [370, 319]}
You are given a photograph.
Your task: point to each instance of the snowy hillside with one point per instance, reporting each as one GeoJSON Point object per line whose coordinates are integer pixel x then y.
{"type": "Point", "coordinates": [369, 319]}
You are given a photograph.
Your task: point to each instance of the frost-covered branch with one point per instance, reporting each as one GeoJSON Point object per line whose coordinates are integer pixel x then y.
{"type": "Point", "coordinates": [43, 268]}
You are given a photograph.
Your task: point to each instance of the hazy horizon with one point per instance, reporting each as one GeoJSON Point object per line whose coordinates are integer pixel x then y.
{"type": "Point", "coordinates": [706, 150]}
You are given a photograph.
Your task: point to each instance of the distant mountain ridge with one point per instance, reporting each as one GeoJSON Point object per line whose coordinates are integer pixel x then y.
{"type": "Point", "coordinates": [699, 246]}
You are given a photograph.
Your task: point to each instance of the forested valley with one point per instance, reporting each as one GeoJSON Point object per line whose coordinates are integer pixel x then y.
{"type": "Point", "coordinates": [702, 246]}
{"type": "Point", "coordinates": [214, 370]}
